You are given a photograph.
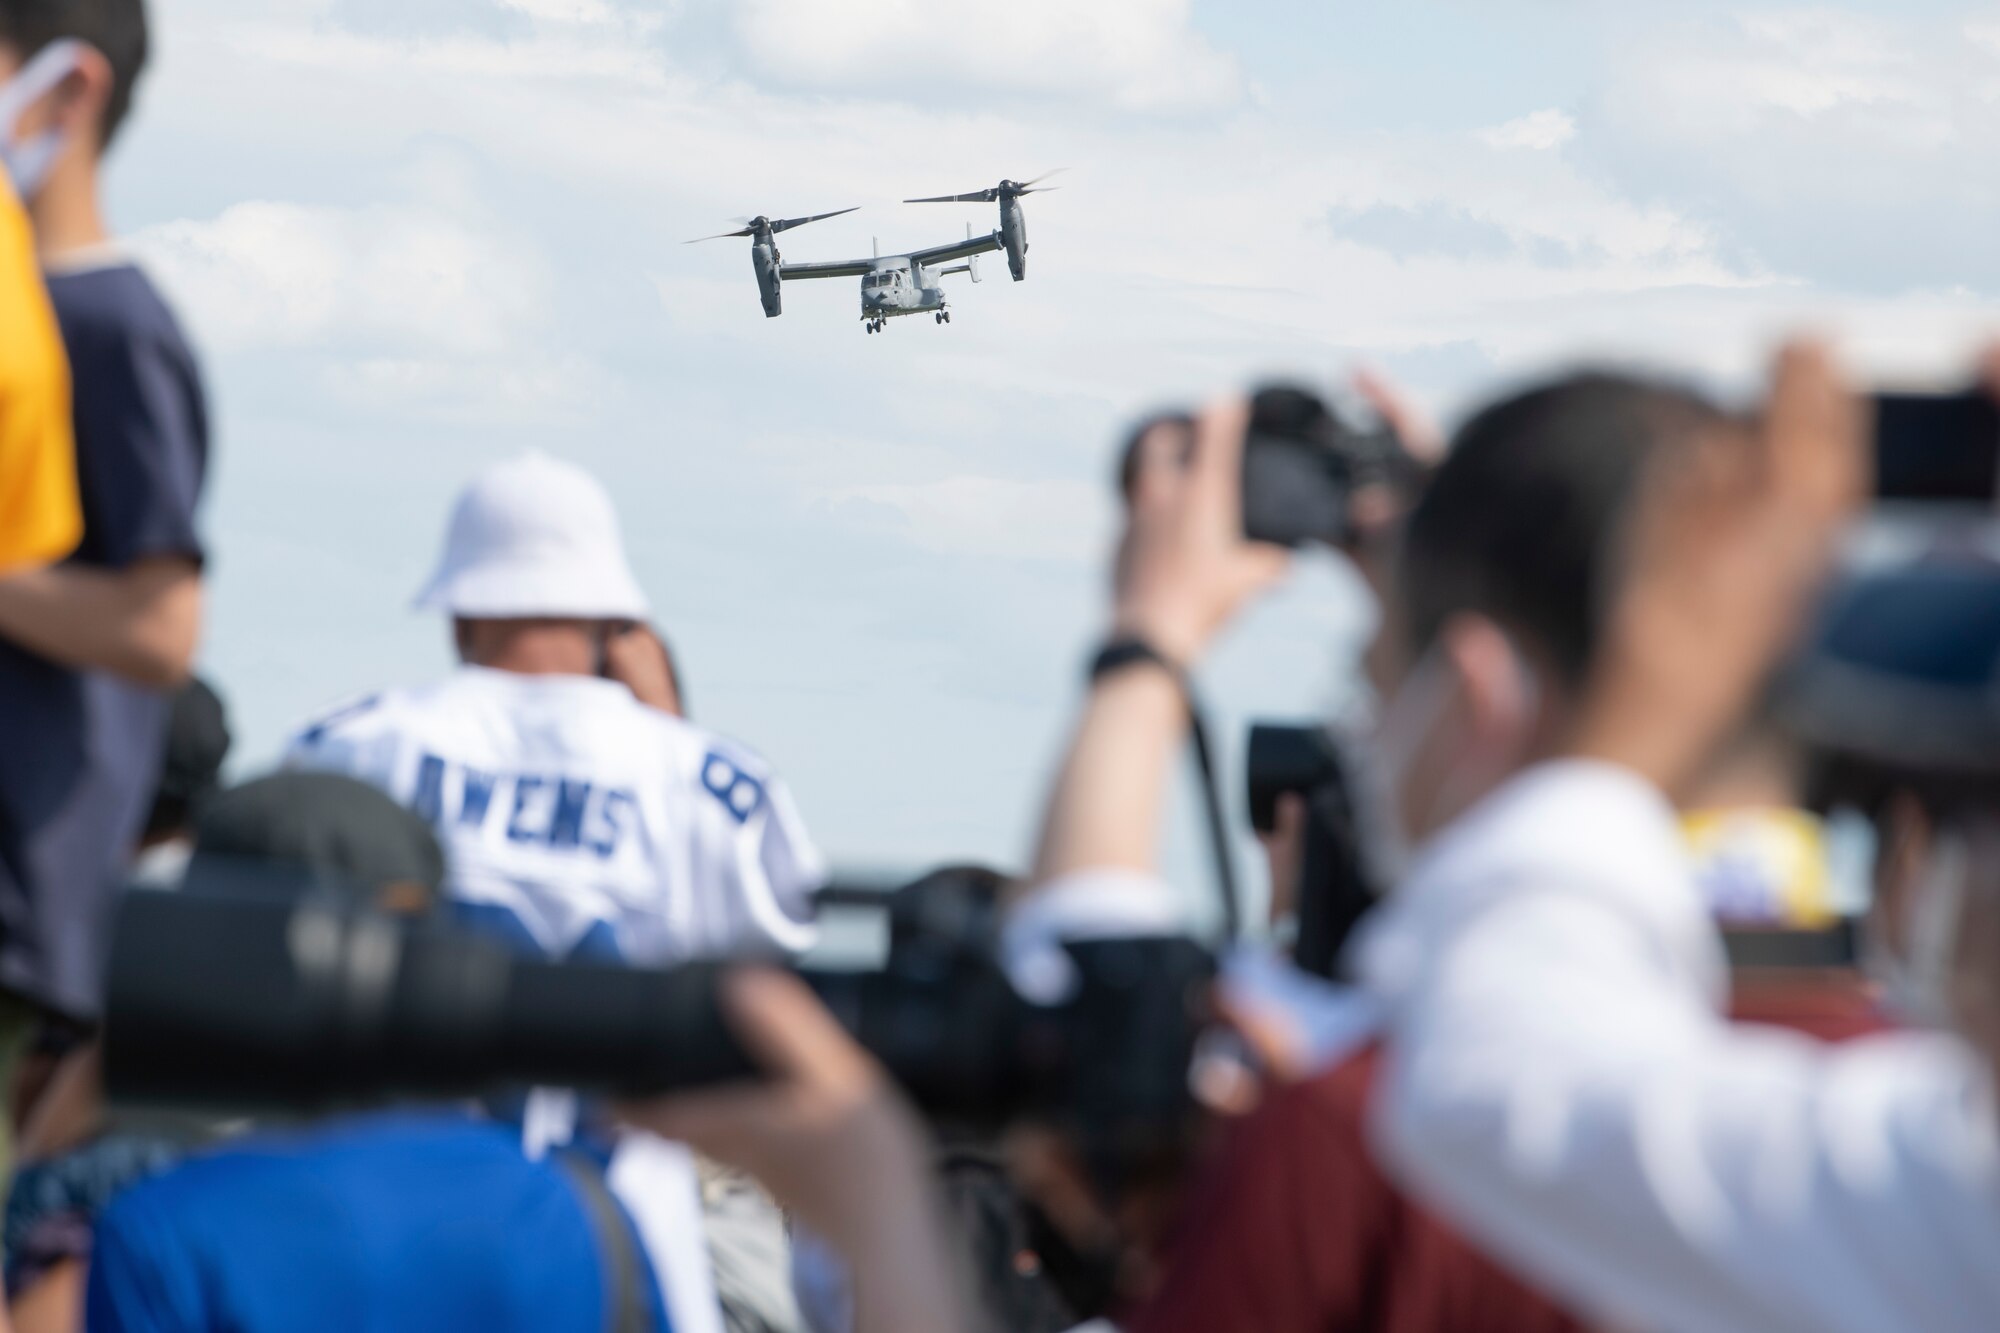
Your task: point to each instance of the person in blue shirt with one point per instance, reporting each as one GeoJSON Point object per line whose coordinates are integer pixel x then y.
{"type": "Point", "coordinates": [412, 1218]}
{"type": "Point", "coordinates": [427, 1219]}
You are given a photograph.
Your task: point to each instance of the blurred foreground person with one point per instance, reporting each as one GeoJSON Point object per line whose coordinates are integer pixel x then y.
{"type": "Point", "coordinates": [1294, 1227]}
{"type": "Point", "coordinates": [76, 1153]}
{"type": "Point", "coordinates": [1560, 1080]}
{"type": "Point", "coordinates": [406, 1219]}
{"type": "Point", "coordinates": [89, 647]}
{"type": "Point", "coordinates": [41, 518]}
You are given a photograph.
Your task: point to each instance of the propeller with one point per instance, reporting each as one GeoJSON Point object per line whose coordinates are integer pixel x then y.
{"type": "Point", "coordinates": [752, 226]}
{"type": "Point", "coordinates": [1004, 190]}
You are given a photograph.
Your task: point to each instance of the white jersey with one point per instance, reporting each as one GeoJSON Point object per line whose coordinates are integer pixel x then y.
{"type": "Point", "coordinates": [593, 823]}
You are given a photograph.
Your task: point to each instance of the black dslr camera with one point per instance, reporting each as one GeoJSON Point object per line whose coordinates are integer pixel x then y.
{"type": "Point", "coordinates": [1302, 465]}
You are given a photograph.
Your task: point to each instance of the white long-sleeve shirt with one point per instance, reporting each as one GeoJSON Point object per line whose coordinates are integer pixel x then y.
{"type": "Point", "coordinates": [1561, 1084]}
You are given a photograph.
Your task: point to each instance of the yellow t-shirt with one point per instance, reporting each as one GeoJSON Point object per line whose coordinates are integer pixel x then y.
{"type": "Point", "coordinates": [41, 518]}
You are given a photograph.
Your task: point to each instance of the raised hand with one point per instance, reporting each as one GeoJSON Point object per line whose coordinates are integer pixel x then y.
{"type": "Point", "coordinates": [1729, 542]}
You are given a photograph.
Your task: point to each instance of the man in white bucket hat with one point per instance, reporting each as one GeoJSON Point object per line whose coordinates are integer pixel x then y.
{"type": "Point", "coordinates": [579, 820]}
{"type": "Point", "coordinates": [582, 816]}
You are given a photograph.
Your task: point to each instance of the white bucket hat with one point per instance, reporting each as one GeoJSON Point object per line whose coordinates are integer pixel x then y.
{"type": "Point", "coordinates": [534, 537]}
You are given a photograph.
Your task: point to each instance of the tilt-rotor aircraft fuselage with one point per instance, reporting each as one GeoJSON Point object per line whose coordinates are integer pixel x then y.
{"type": "Point", "coordinates": [902, 284]}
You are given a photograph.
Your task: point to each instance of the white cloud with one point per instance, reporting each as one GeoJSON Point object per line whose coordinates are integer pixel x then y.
{"type": "Point", "coordinates": [558, 390]}
{"type": "Point", "coordinates": [570, 50]}
{"type": "Point", "coordinates": [1140, 55]}
{"type": "Point", "coordinates": [1811, 61]}
{"type": "Point", "coordinates": [1827, 145]}
{"type": "Point", "coordinates": [1808, 64]}
{"type": "Point", "coordinates": [996, 518]}
{"type": "Point", "coordinates": [265, 274]}
{"type": "Point", "coordinates": [1538, 130]}
{"type": "Point", "coordinates": [564, 11]}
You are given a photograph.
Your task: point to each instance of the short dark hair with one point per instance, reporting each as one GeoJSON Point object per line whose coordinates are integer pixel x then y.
{"type": "Point", "coordinates": [117, 28]}
{"type": "Point", "coordinates": [1520, 522]}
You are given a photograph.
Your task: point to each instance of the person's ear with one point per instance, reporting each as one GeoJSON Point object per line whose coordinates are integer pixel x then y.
{"type": "Point", "coordinates": [1901, 854]}
{"type": "Point", "coordinates": [78, 104]}
{"type": "Point", "coordinates": [1498, 697]}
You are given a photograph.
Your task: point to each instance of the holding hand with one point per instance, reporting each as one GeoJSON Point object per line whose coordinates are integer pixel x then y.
{"type": "Point", "coordinates": [835, 1145]}
{"type": "Point", "coordinates": [1184, 567]}
{"type": "Point", "coordinates": [636, 657]}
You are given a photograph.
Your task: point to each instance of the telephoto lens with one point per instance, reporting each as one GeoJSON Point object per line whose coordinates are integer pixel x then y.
{"type": "Point", "coordinates": [243, 1002]}
{"type": "Point", "coordinates": [254, 1001]}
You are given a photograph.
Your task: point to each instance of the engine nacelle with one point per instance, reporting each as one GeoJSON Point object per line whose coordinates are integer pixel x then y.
{"type": "Point", "coordinates": [764, 258]}
{"type": "Point", "coordinates": [1014, 236]}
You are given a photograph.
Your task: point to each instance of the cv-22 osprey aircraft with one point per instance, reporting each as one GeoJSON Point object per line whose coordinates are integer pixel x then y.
{"type": "Point", "coordinates": [893, 285]}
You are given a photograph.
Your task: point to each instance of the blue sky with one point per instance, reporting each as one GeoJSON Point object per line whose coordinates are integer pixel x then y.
{"type": "Point", "coordinates": [413, 236]}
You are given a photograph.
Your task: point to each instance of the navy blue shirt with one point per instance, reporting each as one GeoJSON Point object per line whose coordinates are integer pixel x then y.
{"type": "Point", "coordinates": [408, 1220]}
{"type": "Point", "coordinates": [80, 751]}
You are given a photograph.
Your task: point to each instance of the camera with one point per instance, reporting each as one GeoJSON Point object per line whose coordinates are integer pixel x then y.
{"type": "Point", "coordinates": [1938, 448]}
{"type": "Point", "coordinates": [232, 1000]}
{"type": "Point", "coordinates": [1338, 879]}
{"type": "Point", "coordinates": [1303, 462]}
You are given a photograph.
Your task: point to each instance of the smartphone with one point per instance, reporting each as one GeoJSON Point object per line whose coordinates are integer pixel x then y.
{"type": "Point", "coordinates": [1937, 447]}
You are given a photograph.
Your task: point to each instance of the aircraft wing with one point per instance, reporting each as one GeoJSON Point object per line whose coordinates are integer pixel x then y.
{"type": "Point", "coordinates": [838, 268]}
{"type": "Point", "coordinates": [944, 254]}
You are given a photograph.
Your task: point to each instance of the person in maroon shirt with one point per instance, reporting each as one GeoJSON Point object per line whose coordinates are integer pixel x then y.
{"type": "Point", "coordinates": [1294, 1229]}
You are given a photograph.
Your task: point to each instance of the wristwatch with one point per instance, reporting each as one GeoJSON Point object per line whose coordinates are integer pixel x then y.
{"type": "Point", "coordinates": [1121, 654]}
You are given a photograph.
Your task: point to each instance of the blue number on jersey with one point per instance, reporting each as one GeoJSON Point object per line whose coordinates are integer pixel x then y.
{"type": "Point", "coordinates": [739, 793]}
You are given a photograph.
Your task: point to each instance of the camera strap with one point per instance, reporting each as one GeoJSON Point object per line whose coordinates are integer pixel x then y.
{"type": "Point", "coordinates": [1218, 826]}
{"type": "Point", "coordinates": [1120, 654]}
{"type": "Point", "coordinates": [625, 1271]}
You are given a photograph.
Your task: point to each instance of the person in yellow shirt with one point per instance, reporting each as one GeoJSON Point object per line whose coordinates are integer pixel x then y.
{"type": "Point", "coordinates": [41, 518]}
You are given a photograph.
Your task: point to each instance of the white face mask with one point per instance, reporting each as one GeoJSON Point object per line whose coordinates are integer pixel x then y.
{"type": "Point", "coordinates": [28, 162]}
{"type": "Point", "coordinates": [1407, 723]}
{"type": "Point", "coordinates": [1917, 986]}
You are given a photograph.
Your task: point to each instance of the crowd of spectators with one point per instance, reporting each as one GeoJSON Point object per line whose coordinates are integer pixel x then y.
{"type": "Point", "coordinates": [1622, 1040]}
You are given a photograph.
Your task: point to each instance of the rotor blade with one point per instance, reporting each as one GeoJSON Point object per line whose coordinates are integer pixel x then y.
{"type": "Point", "coordinates": [1044, 176]}
{"type": "Point", "coordinates": [718, 236]}
{"type": "Point", "coordinates": [788, 223]}
{"type": "Point", "coordinates": [976, 197]}
{"type": "Point", "coordinates": [1042, 189]}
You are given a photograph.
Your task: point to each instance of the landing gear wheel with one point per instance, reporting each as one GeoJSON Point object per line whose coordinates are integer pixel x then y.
{"type": "Point", "coordinates": [946, 316]}
{"type": "Point", "coordinates": [870, 326]}
{"type": "Point", "coordinates": [937, 318]}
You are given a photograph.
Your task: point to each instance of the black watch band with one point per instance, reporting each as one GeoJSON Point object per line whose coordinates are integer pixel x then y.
{"type": "Point", "coordinates": [1123, 653]}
